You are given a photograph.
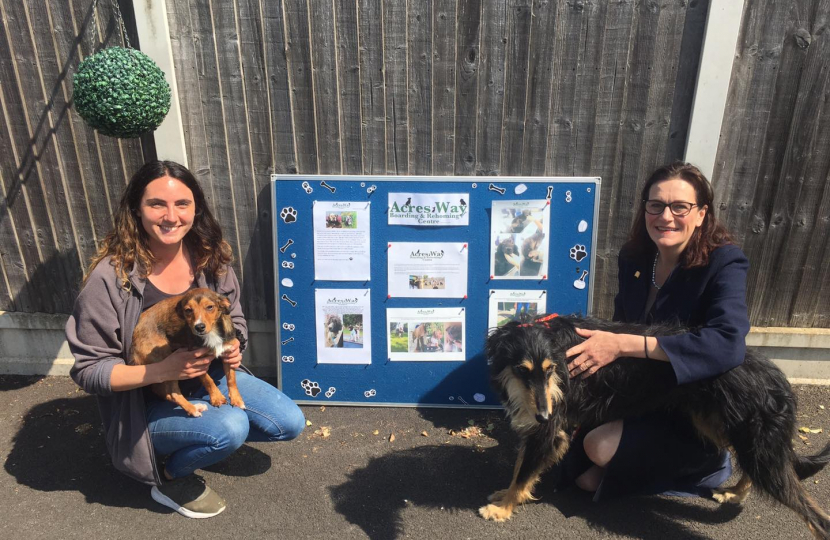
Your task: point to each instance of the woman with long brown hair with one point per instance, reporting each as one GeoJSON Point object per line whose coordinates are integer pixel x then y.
{"type": "Point", "coordinates": [165, 241]}
{"type": "Point", "coordinates": [679, 266]}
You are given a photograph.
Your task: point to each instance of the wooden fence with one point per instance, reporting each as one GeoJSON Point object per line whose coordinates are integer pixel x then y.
{"type": "Point", "coordinates": [441, 87]}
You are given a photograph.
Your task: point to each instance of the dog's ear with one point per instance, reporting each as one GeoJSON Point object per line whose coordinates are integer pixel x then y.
{"type": "Point", "coordinates": [501, 345]}
{"type": "Point", "coordinates": [224, 304]}
{"type": "Point", "coordinates": [180, 307]}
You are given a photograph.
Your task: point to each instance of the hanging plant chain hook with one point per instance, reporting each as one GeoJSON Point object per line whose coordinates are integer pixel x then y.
{"type": "Point", "coordinates": [119, 19]}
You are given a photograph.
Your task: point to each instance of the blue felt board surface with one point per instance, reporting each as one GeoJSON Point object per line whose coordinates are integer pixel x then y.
{"type": "Point", "coordinates": [422, 383]}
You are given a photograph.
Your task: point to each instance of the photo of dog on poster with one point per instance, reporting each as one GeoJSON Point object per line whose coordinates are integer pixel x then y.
{"type": "Point", "coordinates": [519, 239]}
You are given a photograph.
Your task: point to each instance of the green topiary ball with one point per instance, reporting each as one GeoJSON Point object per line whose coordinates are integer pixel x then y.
{"type": "Point", "coordinates": [121, 92]}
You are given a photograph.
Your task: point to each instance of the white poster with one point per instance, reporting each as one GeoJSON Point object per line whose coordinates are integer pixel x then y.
{"type": "Point", "coordinates": [426, 334]}
{"type": "Point", "coordinates": [429, 209]}
{"type": "Point", "coordinates": [519, 233]}
{"type": "Point", "coordinates": [506, 305]}
{"type": "Point", "coordinates": [341, 241]}
{"type": "Point", "coordinates": [343, 326]}
{"type": "Point", "coordinates": [427, 269]}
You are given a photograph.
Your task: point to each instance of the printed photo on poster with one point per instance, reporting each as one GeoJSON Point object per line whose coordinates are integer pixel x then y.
{"type": "Point", "coordinates": [427, 269]}
{"type": "Point", "coordinates": [426, 334]}
{"type": "Point", "coordinates": [519, 233]}
{"type": "Point", "coordinates": [341, 241]}
{"type": "Point", "coordinates": [429, 209]}
{"type": "Point", "coordinates": [343, 326]}
{"type": "Point", "coordinates": [510, 305]}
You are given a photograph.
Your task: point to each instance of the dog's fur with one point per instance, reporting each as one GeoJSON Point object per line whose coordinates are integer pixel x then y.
{"type": "Point", "coordinates": [334, 331]}
{"type": "Point", "coordinates": [750, 409]}
{"type": "Point", "coordinates": [197, 318]}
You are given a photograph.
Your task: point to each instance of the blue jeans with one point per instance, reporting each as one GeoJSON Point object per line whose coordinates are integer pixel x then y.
{"type": "Point", "coordinates": [193, 443]}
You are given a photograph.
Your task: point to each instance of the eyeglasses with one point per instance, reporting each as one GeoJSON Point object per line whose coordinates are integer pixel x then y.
{"type": "Point", "coordinates": [678, 208]}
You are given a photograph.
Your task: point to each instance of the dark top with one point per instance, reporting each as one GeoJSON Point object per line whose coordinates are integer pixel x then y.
{"type": "Point", "coordinates": [711, 299]}
{"type": "Point", "coordinates": [152, 295]}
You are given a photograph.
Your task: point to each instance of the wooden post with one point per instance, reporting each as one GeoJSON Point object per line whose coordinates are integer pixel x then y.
{"type": "Point", "coordinates": [723, 24]}
{"type": "Point", "coordinates": [154, 41]}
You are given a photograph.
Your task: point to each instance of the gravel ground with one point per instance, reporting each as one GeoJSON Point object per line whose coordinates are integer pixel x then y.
{"type": "Point", "coordinates": [348, 480]}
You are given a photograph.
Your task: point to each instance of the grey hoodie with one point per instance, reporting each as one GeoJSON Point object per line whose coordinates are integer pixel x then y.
{"type": "Point", "coordinates": [99, 333]}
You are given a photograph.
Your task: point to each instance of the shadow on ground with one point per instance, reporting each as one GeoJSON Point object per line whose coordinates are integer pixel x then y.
{"type": "Point", "coordinates": [459, 478]}
{"type": "Point", "coordinates": [60, 447]}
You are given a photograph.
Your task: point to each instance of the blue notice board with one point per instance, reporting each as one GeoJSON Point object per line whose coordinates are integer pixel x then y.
{"type": "Point", "coordinates": [564, 281]}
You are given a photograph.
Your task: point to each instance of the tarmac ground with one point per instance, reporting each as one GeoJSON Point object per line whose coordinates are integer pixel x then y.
{"type": "Point", "coordinates": [377, 473]}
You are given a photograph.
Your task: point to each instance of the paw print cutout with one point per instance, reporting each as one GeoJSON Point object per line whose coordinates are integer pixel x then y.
{"type": "Point", "coordinates": [330, 392]}
{"type": "Point", "coordinates": [288, 359]}
{"type": "Point", "coordinates": [568, 197]}
{"type": "Point", "coordinates": [578, 253]}
{"type": "Point", "coordinates": [288, 326]}
{"type": "Point", "coordinates": [311, 388]}
{"type": "Point", "coordinates": [370, 393]}
{"type": "Point", "coordinates": [288, 214]}
{"type": "Point", "coordinates": [287, 264]}
{"type": "Point", "coordinates": [308, 189]}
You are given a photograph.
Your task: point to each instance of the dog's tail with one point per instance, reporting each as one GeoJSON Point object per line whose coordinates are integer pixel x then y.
{"type": "Point", "coordinates": [807, 466]}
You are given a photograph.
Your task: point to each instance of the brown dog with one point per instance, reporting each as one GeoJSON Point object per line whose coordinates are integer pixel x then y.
{"type": "Point", "coordinates": [197, 318]}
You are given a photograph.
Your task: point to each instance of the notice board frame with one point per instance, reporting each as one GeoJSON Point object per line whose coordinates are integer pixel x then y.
{"type": "Point", "coordinates": [574, 203]}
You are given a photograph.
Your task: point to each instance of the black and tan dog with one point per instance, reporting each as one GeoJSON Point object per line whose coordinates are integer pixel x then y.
{"type": "Point", "coordinates": [750, 410]}
{"type": "Point", "coordinates": [197, 318]}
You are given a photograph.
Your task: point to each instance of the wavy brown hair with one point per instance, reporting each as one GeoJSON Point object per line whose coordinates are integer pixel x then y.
{"type": "Point", "coordinates": [711, 233]}
{"type": "Point", "coordinates": [128, 242]}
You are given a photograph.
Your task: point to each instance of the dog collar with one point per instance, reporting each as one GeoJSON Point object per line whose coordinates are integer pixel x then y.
{"type": "Point", "coordinates": [543, 320]}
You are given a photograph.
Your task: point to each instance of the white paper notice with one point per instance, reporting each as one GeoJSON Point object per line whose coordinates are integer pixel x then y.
{"type": "Point", "coordinates": [343, 326]}
{"type": "Point", "coordinates": [426, 334]}
{"type": "Point", "coordinates": [519, 233]}
{"type": "Point", "coordinates": [341, 241]}
{"type": "Point", "coordinates": [508, 306]}
{"type": "Point", "coordinates": [429, 209]}
{"type": "Point", "coordinates": [427, 269]}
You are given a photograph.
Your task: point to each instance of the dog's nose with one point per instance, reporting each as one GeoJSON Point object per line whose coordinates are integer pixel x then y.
{"type": "Point", "coordinates": [542, 417]}
{"type": "Point", "coordinates": [200, 327]}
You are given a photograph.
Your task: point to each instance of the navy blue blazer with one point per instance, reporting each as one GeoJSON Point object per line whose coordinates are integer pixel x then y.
{"type": "Point", "coordinates": [711, 299]}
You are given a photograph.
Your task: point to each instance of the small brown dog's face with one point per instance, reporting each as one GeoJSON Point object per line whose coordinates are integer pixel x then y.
{"type": "Point", "coordinates": [201, 308]}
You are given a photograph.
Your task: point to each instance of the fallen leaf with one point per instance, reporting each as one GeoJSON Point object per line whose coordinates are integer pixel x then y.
{"type": "Point", "coordinates": [490, 427]}
{"type": "Point", "coordinates": [323, 432]}
{"type": "Point", "coordinates": [424, 434]}
{"type": "Point", "coordinates": [471, 422]}
{"type": "Point", "coordinates": [308, 422]}
{"type": "Point", "coordinates": [804, 429]}
{"type": "Point", "coordinates": [821, 407]}
{"type": "Point", "coordinates": [375, 432]}
{"type": "Point", "coordinates": [322, 408]}
{"type": "Point", "coordinates": [816, 430]}
{"type": "Point", "coordinates": [83, 428]}
{"type": "Point", "coordinates": [392, 437]}
{"type": "Point", "coordinates": [802, 437]}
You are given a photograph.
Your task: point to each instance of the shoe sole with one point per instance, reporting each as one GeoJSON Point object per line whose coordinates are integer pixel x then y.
{"type": "Point", "coordinates": [163, 499]}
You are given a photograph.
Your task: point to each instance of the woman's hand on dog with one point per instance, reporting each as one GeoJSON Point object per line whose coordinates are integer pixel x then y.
{"type": "Point", "coordinates": [600, 349]}
{"type": "Point", "coordinates": [186, 364]}
{"type": "Point", "coordinates": [232, 357]}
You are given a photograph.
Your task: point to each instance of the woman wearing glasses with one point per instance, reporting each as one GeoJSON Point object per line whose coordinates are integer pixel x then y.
{"type": "Point", "coordinates": [679, 265]}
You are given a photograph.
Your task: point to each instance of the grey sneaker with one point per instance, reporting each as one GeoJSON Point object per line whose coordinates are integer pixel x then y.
{"type": "Point", "coordinates": [189, 496]}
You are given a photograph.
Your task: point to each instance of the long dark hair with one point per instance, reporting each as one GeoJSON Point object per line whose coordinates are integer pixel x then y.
{"type": "Point", "coordinates": [128, 242]}
{"type": "Point", "coordinates": [711, 233]}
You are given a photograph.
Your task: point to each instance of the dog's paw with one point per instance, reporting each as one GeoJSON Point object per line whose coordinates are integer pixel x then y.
{"type": "Point", "coordinates": [494, 512]}
{"type": "Point", "coordinates": [217, 401]}
{"type": "Point", "coordinates": [198, 409]}
{"type": "Point", "coordinates": [236, 400]}
{"type": "Point", "coordinates": [288, 214]}
{"type": "Point", "coordinates": [729, 495]}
